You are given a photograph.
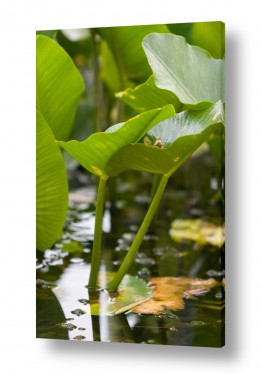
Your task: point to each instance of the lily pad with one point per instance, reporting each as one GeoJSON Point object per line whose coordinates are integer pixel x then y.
{"type": "Point", "coordinates": [169, 292]}
{"type": "Point", "coordinates": [132, 292]}
{"type": "Point", "coordinates": [197, 230]}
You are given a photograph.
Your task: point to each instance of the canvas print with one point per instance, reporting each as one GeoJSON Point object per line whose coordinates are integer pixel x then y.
{"type": "Point", "coordinates": [130, 227]}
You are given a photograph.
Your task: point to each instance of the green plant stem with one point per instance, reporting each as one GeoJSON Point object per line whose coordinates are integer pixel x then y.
{"type": "Point", "coordinates": [128, 260]}
{"type": "Point", "coordinates": [155, 184]}
{"type": "Point", "coordinates": [96, 251]}
{"type": "Point", "coordinates": [97, 88]}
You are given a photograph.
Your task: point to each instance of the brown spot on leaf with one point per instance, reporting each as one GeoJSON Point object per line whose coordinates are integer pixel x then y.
{"type": "Point", "coordinates": [97, 170]}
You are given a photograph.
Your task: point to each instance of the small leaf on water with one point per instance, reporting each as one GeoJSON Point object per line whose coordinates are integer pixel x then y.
{"type": "Point", "coordinates": [168, 293]}
{"type": "Point", "coordinates": [197, 230]}
{"type": "Point", "coordinates": [132, 291]}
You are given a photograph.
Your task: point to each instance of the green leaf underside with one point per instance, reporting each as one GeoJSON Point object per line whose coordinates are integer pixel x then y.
{"type": "Point", "coordinates": [95, 152]}
{"type": "Point", "coordinates": [132, 292]}
{"type": "Point", "coordinates": [181, 136]}
{"type": "Point", "coordinates": [51, 186]}
{"type": "Point", "coordinates": [125, 44]}
{"type": "Point", "coordinates": [189, 72]}
{"type": "Point", "coordinates": [58, 86]}
{"type": "Point", "coordinates": [147, 96]}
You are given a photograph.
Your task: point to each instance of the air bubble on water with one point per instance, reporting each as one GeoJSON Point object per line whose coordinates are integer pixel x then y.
{"type": "Point", "coordinates": [78, 312]}
{"type": "Point", "coordinates": [173, 329]}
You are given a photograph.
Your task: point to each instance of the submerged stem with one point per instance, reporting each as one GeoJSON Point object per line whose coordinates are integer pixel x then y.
{"type": "Point", "coordinates": [128, 260]}
{"type": "Point", "coordinates": [96, 251]}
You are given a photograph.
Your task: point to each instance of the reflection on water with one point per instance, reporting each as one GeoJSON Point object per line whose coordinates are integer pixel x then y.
{"type": "Point", "coordinates": [63, 300]}
{"type": "Point", "coordinates": [70, 289]}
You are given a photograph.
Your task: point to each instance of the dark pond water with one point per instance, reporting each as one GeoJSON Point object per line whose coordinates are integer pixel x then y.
{"type": "Point", "coordinates": [63, 301]}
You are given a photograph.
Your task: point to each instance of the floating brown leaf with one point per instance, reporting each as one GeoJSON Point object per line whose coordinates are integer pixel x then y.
{"type": "Point", "coordinates": [168, 293]}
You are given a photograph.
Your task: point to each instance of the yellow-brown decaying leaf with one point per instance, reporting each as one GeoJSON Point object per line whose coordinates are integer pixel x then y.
{"type": "Point", "coordinates": [168, 293]}
{"type": "Point", "coordinates": [197, 230]}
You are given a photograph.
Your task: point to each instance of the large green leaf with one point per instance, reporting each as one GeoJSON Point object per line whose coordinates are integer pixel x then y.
{"type": "Point", "coordinates": [125, 44]}
{"type": "Point", "coordinates": [180, 135]}
{"type": "Point", "coordinates": [95, 152]}
{"type": "Point", "coordinates": [188, 71]}
{"type": "Point", "coordinates": [51, 186]}
{"type": "Point", "coordinates": [132, 292]}
{"type": "Point", "coordinates": [58, 86]}
{"type": "Point", "coordinates": [210, 36]}
{"type": "Point", "coordinates": [147, 96]}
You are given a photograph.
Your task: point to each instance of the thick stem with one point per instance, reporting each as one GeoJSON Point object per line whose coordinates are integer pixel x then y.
{"type": "Point", "coordinates": [128, 260]}
{"type": "Point", "coordinates": [96, 251]}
